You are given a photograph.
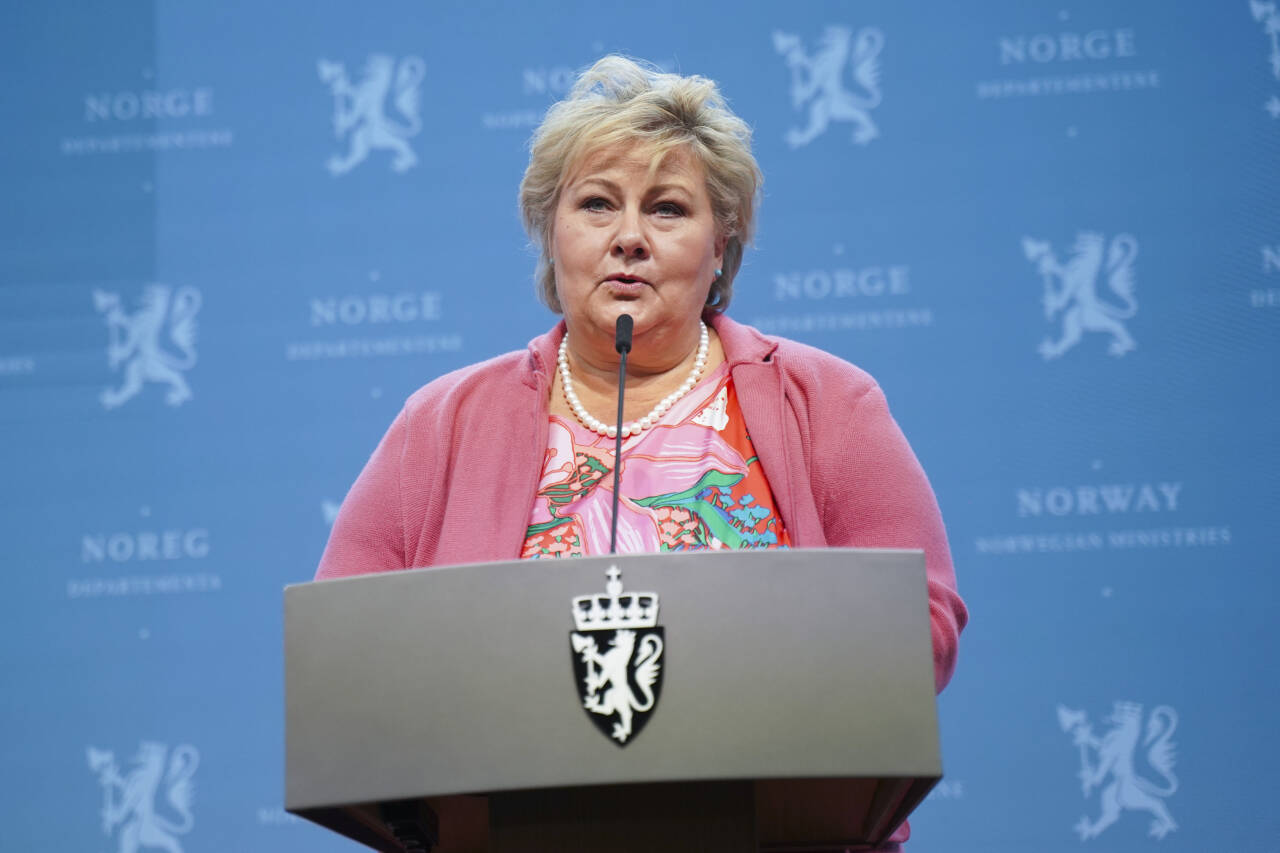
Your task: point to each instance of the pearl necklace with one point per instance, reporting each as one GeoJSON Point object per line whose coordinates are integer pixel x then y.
{"type": "Point", "coordinates": [635, 427]}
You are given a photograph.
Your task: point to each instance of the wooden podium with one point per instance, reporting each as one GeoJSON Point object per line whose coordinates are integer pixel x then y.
{"type": "Point", "coordinates": [439, 709]}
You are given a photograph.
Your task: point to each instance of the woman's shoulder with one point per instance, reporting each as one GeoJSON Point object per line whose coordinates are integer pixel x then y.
{"type": "Point", "coordinates": [806, 362]}
{"type": "Point", "coordinates": [822, 375]}
{"type": "Point", "coordinates": [494, 381]}
{"type": "Point", "coordinates": [502, 381]}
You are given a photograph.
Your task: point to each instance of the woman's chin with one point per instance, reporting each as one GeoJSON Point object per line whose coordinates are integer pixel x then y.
{"type": "Point", "coordinates": [615, 305]}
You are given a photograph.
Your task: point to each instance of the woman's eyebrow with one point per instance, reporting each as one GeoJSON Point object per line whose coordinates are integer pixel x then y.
{"type": "Point", "coordinates": [649, 191]}
{"type": "Point", "coordinates": [604, 182]}
{"type": "Point", "coordinates": [662, 188]}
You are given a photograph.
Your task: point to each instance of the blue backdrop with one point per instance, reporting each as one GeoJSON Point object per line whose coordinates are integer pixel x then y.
{"type": "Point", "coordinates": [238, 235]}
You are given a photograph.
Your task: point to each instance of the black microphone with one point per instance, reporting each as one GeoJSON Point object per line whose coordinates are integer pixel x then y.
{"type": "Point", "coordinates": [622, 343]}
{"type": "Point", "coordinates": [622, 335]}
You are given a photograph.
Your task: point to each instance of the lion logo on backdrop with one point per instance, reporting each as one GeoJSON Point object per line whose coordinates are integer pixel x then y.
{"type": "Point", "coordinates": [155, 343]}
{"type": "Point", "coordinates": [818, 81]}
{"type": "Point", "coordinates": [619, 686]}
{"type": "Point", "coordinates": [1108, 763]}
{"type": "Point", "coordinates": [132, 802]}
{"type": "Point", "coordinates": [1268, 15]}
{"type": "Point", "coordinates": [1071, 289]}
{"type": "Point", "coordinates": [360, 110]}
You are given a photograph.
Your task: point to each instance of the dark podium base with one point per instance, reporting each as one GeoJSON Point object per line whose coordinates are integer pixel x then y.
{"type": "Point", "coordinates": [767, 815]}
{"type": "Point", "coordinates": [684, 817]}
{"type": "Point", "coordinates": [771, 816]}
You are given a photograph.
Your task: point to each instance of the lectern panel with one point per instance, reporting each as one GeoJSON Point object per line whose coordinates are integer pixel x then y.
{"type": "Point", "coordinates": [775, 664]}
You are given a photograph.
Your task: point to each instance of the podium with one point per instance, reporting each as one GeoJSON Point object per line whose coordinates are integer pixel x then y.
{"type": "Point", "coordinates": [469, 708]}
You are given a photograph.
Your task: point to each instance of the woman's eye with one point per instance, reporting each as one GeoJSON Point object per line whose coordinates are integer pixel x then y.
{"type": "Point", "coordinates": [668, 208]}
{"type": "Point", "coordinates": [595, 203]}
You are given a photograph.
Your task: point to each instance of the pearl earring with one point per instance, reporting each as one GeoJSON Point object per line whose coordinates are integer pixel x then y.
{"type": "Point", "coordinates": [719, 272]}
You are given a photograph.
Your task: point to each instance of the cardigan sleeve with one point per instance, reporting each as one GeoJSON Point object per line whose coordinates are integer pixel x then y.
{"type": "Point", "coordinates": [368, 534]}
{"type": "Point", "coordinates": [879, 497]}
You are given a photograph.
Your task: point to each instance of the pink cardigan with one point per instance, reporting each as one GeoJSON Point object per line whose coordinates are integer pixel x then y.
{"type": "Point", "coordinates": [841, 472]}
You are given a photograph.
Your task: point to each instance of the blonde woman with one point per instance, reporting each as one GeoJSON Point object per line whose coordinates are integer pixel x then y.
{"type": "Point", "coordinates": [640, 193]}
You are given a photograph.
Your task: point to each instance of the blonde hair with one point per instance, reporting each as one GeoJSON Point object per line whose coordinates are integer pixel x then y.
{"type": "Point", "coordinates": [619, 101]}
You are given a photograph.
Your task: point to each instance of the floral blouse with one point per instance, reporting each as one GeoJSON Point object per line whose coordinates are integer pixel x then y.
{"type": "Point", "coordinates": [691, 481]}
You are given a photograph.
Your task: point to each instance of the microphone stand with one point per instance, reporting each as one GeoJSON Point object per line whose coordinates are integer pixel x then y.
{"type": "Point", "coordinates": [621, 343]}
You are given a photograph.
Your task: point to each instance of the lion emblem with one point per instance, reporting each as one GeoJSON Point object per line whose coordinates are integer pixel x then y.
{"type": "Point", "coordinates": [129, 801]}
{"type": "Point", "coordinates": [360, 109]}
{"type": "Point", "coordinates": [1076, 295]}
{"type": "Point", "coordinates": [1267, 15]}
{"type": "Point", "coordinates": [1116, 754]}
{"type": "Point", "coordinates": [608, 679]}
{"type": "Point", "coordinates": [818, 80]}
{"type": "Point", "coordinates": [136, 343]}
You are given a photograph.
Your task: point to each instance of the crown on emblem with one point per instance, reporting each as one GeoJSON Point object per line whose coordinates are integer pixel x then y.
{"type": "Point", "coordinates": [615, 609]}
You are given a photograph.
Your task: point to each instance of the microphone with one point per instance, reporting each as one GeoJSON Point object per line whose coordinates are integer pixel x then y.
{"type": "Point", "coordinates": [621, 343]}
{"type": "Point", "coordinates": [622, 336]}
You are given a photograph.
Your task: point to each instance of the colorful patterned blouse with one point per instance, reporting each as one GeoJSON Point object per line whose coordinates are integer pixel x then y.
{"type": "Point", "coordinates": [691, 481]}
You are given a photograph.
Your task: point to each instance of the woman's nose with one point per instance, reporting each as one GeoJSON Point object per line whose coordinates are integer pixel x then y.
{"type": "Point", "coordinates": [630, 243]}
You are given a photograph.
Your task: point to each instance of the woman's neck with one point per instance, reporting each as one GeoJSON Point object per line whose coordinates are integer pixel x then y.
{"type": "Point", "coordinates": [655, 369]}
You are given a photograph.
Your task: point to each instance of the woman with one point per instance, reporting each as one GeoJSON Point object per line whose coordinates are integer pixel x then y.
{"type": "Point", "coordinates": [640, 193]}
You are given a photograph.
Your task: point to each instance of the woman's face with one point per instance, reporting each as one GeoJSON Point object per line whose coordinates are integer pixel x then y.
{"type": "Point", "coordinates": [627, 241]}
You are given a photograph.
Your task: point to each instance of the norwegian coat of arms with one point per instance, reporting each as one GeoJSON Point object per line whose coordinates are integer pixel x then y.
{"type": "Point", "coordinates": [819, 81]}
{"type": "Point", "coordinates": [131, 801]}
{"type": "Point", "coordinates": [617, 653]}
{"type": "Point", "coordinates": [1083, 308]}
{"type": "Point", "coordinates": [138, 341]}
{"type": "Point", "coordinates": [1118, 762]}
{"type": "Point", "coordinates": [360, 109]}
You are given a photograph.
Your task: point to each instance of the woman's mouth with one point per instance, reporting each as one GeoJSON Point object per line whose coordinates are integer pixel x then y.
{"type": "Point", "coordinates": [626, 284]}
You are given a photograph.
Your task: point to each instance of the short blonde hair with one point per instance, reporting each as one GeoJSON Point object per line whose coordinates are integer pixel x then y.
{"type": "Point", "coordinates": [621, 101]}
